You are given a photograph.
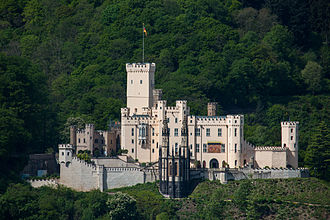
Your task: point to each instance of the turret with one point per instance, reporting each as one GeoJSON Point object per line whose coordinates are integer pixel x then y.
{"type": "Point", "coordinates": [65, 153]}
{"type": "Point", "coordinates": [73, 135]}
{"type": "Point", "coordinates": [140, 85]}
{"type": "Point", "coordinates": [235, 125]}
{"type": "Point", "coordinates": [290, 141]}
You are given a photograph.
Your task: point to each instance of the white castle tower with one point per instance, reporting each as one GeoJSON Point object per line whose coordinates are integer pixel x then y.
{"type": "Point", "coordinates": [235, 139]}
{"type": "Point", "coordinates": [290, 140]}
{"type": "Point", "coordinates": [65, 153]}
{"type": "Point", "coordinates": [140, 85]}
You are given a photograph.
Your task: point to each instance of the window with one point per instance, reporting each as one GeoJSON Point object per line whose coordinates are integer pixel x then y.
{"type": "Point", "coordinates": [153, 131]}
{"type": "Point", "coordinates": [84, 140]}
{"type": "Point", "coordinates": [176, 132]}
{"type": "Point", "coordinates": [157, 145]}
{"type": "Point", "coordinates": [176, 148]}
{"type": "Point", "coordinates": [291, 137]}
{"type": "Point", "coordinates": [291, 130]}
{"type": "Point", "coordinates": [176, 120]}
{"type": "Point", "coordinates": [168, 120]}
{"type": "Point", "coordinates": [294, 145]}
{"type": "Point", "coordinates": [197, 132]}
{"type": "Point", "coordinates": [96, 141]}
{"type": "Point", "coordinates": [219, 132]}
{"type": "Point", "coordinates": [101, 141]}
{"type": "Point", "coordinates": [190, 146]}
{"type": "Point", "coordinates": [132, 141]}
{"type": "Point", "coordinates": [235, 163]}
{"type": "Point", "coordinates": [132, 131]}
{"type": "Point", "coordinates": [235, 148]}
{"type": "Point", "coordinates": [78, 140]}
{"type": "Point", "coordinates": [141, 81]}
{"type": "Point", "coordinates": [197, 148]}
{"type": "Point", "coordinates": [204, 148]}
{"type": "Point", "coordinates": [169, 132]}
{"type": "Point", "coordinates": [132, 150]}
{"type": "Point", "coordinates": [131, 81]}
{"type": "Point", "coordinates": [153, 141]}
{"type": "Point", "coordinates": [207, 132]}
{"type": "Point", "coordinates": [68, 153]}
{"type": "Point", "coordinates": [235, 132]}
{"type": "Point", "coordinates": [62, 153]}
{"type": "Point", "coordinates": [153, 150]}
{"type": "Point", "coordinates": [110, 141]}
{"type": "Point", "coordinates": [223, 149]}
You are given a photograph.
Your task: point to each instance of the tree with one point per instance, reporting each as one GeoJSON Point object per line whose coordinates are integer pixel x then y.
{"type": "Point", "coordinates": [312, 75]}
{"type": "Point", "coordinates": [317, 156]}
{"type": "Point", "coordinates": [122, 206]}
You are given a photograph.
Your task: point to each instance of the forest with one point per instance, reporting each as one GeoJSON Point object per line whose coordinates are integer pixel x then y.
{"type": "Point", "coordinates": [64, 61]}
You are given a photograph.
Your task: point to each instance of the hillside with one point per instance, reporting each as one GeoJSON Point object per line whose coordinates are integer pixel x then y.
{"type": "Point", "coordinates": [63, 62]}
{"type": "Point", "coordinates": [248, 199]}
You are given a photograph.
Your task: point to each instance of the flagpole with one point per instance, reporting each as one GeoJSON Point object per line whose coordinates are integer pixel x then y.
{"type": "Point", "coordinates": [143, 44]}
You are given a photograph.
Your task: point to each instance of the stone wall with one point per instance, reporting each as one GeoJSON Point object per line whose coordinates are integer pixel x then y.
{"type": "Point", "coordinates": [40, 183]}
{"type": "Point", "coordinates": [79, 175]}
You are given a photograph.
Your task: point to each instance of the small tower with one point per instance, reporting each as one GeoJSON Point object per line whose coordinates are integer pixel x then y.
{"type": "Point", "coordinates": [65, 153]}
{"type": "Point", "coordinates": [235, 125]}
{"type": "Point", "coordinates": [212, 108]}
{"type": "Point", "coordinates": [290, 140]}
{"type": "Point", "coordinates": [140, 86]}
{"type": "Point", "coordinates": [89, 135]}
{"type": "Point", "coordinates": [73, 135]}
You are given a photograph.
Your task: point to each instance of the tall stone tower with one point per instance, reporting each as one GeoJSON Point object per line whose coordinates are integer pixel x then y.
{"type": "Point", "coordinates": [290, 141]}
{"type": "Point", "coordinates": [65, 153]}
{"type": "Point", "coordinates": [235, 139]}
{"type": "Point", "coordinates": [140, 85]}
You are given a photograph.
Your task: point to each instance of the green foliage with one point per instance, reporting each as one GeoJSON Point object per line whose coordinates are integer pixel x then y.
{"type": "Point", "coordinates": [317, 156]}
{"type": "Point", "coordinates": [121, 206]}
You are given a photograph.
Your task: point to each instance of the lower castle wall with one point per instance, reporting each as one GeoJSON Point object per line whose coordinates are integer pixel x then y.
{"type": "Point", "coordinates": [40, 183]}
{"type": "Point", "coordinates": [79, 175]}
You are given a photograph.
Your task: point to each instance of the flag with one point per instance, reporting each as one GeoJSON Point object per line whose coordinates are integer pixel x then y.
{"type": "Point", "coordinates": [144, 30]}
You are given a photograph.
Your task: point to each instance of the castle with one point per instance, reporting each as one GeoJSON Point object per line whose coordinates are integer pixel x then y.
{"type": "Point", "coordinates": [172, 142]}
{"type": "Point", "coordinates": [214, 141]}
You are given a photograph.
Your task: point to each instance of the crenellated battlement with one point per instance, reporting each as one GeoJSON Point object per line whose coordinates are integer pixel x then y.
{"type": "Point", "coordinates": [140, 67]}
{"type": "Point", "coordinates": [288, 123]}
{"type": "Point", "coordinates": [270, 148]}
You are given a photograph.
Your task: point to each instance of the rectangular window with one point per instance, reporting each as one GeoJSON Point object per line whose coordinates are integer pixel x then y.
{"type": "Point", "coordinates": [197, 132]}
{"type": "Point", "coordinates": [132, 131]}
{"type": "Point", "coordinates": [291, 137]}
{"type": "Point", "coordinates": [207, 132]}
{"type": "Point", "coordinates": [131, 81]}
{"type": "Point", "coordinates": [204, 148]}
{"type": "Point", "coordinates": [235, 163]}
{"type": "Point", "coordinates": [176, 148]}
{"type": "Point", "coordinates": [176, 120]}
{"type": "Point", "coordinates": [168, 120]}
{"type": "Point", "coordinates": [153, 150]}
{"type": "Point", "coordinates": [96, 141]}
{"type": "Point", "coordinates": [153, 132]}
{"type": "Point", "coordinates": [223, 148]}
{"type": "Point", "coordinates": [235, 132]}
{"type": "Point", "coordinates": [140, 81]}
{"type": "Point", "coordinates": [132, 150]}
{"type": "Point", "coordinates": [153, 141]}
{"type": "Point", "coordinates": [78, 140]}
{"type": "Point", "coordinates": [169, 132]}
{"type": "Point", "coordinates": [219, 132]}
{"type": "Point", "coordinates": [176, 132]}
{"type": "Point", "coordinates": [190, 146]}
{"type": "Point", "coordinates": [84, 140]}
{"type": "Point", "coordinates": [291, 130]}
{"type": "Point", "coordinates": [132, 141]}
{"type": "Point", "coordinates": [235, 148]}
{"type": "Point", "coordinates": [197, 148]}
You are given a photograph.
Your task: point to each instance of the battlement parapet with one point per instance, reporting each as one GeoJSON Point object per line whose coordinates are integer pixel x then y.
{"type": "Point", "coordinates": [288, 123]}
{"type": "Point", "coordinates": [36, 183]}
{"type": "Point", "coordinates": [85, 163]}
{"type": "Point", "coordinates": [140, 67]}
{"type": "Point", "coordinates": [270, 148]}
{"type": "Point", "coordinates": [64, 146]}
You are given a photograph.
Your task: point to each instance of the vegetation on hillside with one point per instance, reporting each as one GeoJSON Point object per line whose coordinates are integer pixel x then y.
{"type": "Point", "coordinates": [247, 199]}
{"type": "Point", "coordinates": [66, 59]}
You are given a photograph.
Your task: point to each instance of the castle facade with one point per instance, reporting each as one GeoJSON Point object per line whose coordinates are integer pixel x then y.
{"type": "Point", "coordinates": [213, 141]}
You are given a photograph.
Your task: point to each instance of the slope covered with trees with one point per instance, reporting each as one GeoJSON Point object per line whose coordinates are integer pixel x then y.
{"type": "Point", "coordinates": [267, 59]}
